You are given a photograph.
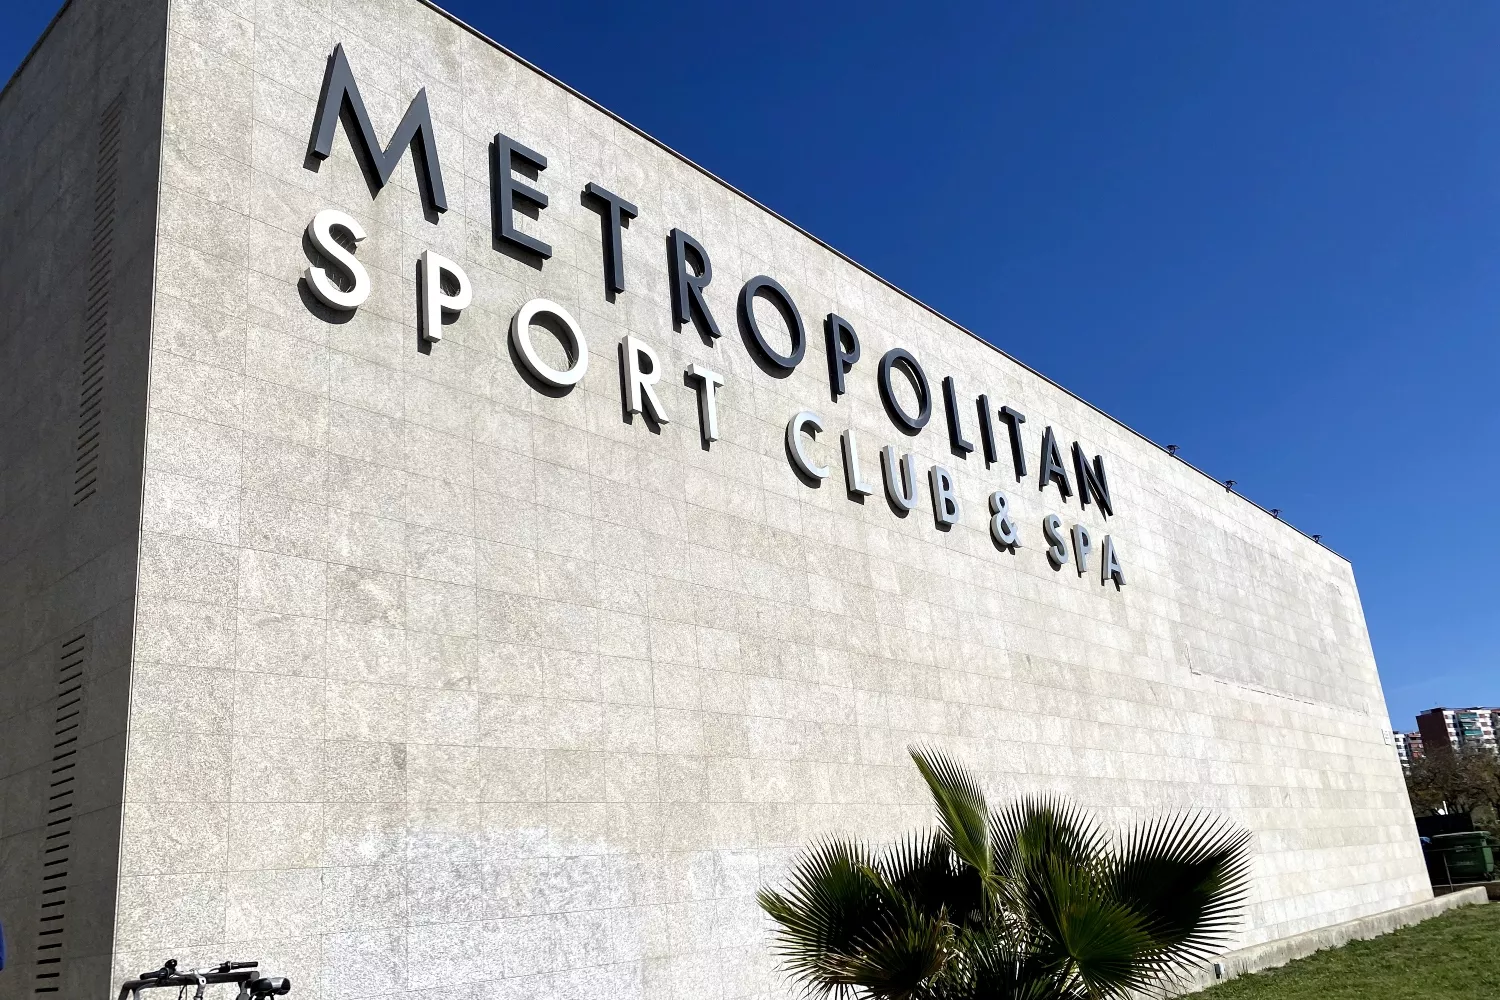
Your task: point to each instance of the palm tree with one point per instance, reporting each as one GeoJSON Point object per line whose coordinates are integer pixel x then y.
{"type": "Point", "coordinates": [1031, 902]}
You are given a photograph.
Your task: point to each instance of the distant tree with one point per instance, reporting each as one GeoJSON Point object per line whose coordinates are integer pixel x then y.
{"type": "Point", "coordinates": [1466, 780]}
{"type": "Point", "coordinates": [1431, 785]}
{"type": "Point", "coordinates": [1026, 902]}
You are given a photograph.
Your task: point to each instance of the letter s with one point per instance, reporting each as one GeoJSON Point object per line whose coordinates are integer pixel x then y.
{"type": "Point", "coordinates": [1057, 545]}
{"type": "Point", "coordinates": [320, 232]}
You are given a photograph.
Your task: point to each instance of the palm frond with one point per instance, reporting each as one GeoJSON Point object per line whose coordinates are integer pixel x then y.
{"type": "Point", "coordinates": [1029, 902]}
{"type": "Point", "coordinates": [987, 964]}
{"type": "Point", "coordinates": [962, 811]}
{"type": "Point", "coordinates": [1033, 831]}
{"type": "Point", "coordinates": [844, 925]}
{"type": "Point", "coordinates": [829, 901]}
{"type": "Point", "coordinates": [1099, 942]}
{"type": "Point", "coordinates": [897, 956]}
{"type": "Point", "coordinates": [924, 869]}
{"type": "Point", "coordinates": [1188, 876]}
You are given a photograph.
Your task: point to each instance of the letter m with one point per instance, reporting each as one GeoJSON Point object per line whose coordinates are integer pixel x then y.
{"type": "Point", "coordinates": [340, 99]}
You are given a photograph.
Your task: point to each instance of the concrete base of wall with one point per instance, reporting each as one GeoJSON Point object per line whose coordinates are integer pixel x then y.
{"type": "Point", "coordinates": [1493, 888]}
{"type": "Point", "coordinates": [1274, 954]}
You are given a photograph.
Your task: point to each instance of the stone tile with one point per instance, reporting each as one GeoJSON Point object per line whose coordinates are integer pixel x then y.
{"type": "Point", "coordinates": [269, 581]}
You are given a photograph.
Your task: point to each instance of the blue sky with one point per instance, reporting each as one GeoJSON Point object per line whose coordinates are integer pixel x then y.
{"type": "Point", "coordinates": [1266, 232]}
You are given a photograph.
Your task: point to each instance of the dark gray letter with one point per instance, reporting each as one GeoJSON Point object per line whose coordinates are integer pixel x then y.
{"type": "Point", "coordinates": [617, 211]}
{"type": "Point", "coordinates": [1091, 481]}
{"type": "Point", "coordinates": [843, 351]}
{"type": "Point", "coordinates": [688, 303]}
{"type": "Point", "coordinates": [987, 432]}
{"type": "Point", "coordinates": [340, 94]}
{"type": "Point", "coordinates": [1052, 465]}
{"type": "Point", "coordinates": [505, 191]}
{"type": "Point", "coordinates": [956, 437]}
{"type": "Point", "coordinates": [900, 356]}
{"type": "Point", "coordinates": [1015, 418]}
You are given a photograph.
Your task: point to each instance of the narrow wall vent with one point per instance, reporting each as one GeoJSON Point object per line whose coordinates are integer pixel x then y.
{"type": "Point", "coordinates": [96, 310]}
{"type": "Point", "coordinates": [57, 819]}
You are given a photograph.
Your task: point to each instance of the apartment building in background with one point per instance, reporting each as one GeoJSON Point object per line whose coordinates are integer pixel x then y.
{"type": "Point", "coordinates": [1408, 748]}
{"type": "Point", "coordinates": [1456, 728]}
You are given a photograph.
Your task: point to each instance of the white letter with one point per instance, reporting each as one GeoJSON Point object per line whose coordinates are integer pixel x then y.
{"type": "Point", "coordinates": [320, 232]}
{"type": "Point", "coordinates": [944, 503]}
{"type": "Point", "coordinates": [900, 478]}
{"type": "Point", "coordinates": [577, 347]}
{"type": "Point", "coordinates": [852, 479]}
{"type": "Point", "coordinates": [708, 413]}
{"type": "Point", "coordinates": [1083, 547]}
{"type": "Point", "coordinates": [1002, 528]}
{"type": "Point", "coordinates": [1057, 546]}
{"type": "Point", "coordinates": [435, 301]}
{"type": "Point", "coordinates": [1110, 566]}
{"type": "Point", "coordinates": [794, 428]}
{"type": "Point", "coordinates": [639, 396]}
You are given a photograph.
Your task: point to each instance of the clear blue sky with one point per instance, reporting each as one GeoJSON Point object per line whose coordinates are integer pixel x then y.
{"type": "Point", "coordinates": [1267, 232]}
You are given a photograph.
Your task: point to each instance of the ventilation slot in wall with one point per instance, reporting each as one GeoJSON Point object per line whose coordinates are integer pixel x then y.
{"type": "Point", "coordinates": [96, 315]}
{"type": "Point", "coordinates": [57, 833]}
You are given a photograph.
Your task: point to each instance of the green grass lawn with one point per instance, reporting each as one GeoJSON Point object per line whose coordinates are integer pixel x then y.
{"type": "Point", "coordinates": [1454, 955]}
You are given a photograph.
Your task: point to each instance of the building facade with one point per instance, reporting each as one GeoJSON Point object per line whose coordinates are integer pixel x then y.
{"type": "Point", "coordinates": [1459, 728]}
{"type": "Point", "coordinates": [1408, 748]}
{"type": "Point", "coordinates": [453, 543]}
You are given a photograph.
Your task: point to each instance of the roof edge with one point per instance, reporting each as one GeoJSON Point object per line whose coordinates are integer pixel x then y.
{"type": "Point", "coordinates": [31, 52]}
{"type": "Point", "coordinates": [851, 261]}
